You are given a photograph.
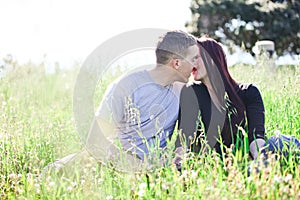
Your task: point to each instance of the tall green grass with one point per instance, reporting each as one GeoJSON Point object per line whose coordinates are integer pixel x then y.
{"type": "Point", "coordinates": [37, 127]}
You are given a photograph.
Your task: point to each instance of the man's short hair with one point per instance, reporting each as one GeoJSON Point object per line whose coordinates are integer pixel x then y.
{"type": "Point", "coordinates": [173, 44]}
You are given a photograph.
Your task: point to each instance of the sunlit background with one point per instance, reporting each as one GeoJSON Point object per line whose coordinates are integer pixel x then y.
{"type": "Point", "coordinates": [67, 31]}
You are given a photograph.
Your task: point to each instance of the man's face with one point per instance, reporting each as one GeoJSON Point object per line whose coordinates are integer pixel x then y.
{"type": "Point", "coordinates": [190, 62]}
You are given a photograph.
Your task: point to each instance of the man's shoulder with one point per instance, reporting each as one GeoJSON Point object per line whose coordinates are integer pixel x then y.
{"type": "Point", "coordinates": [132, 75]}
{"type": "Point", "coordinates": [131, 79]}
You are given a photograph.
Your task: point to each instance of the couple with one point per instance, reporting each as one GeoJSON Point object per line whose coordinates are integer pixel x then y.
{"type": "Point", "coordinates": [137, 115]}
{"type": "Point", "coordinates": [139, 111]}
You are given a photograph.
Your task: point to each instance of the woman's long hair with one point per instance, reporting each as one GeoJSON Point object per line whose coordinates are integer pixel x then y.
{"type": "Point", "coordinates": [216, 65]}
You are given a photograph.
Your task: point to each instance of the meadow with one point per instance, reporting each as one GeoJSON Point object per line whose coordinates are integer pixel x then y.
{"type": "Point", "coordinates": [37, 127]}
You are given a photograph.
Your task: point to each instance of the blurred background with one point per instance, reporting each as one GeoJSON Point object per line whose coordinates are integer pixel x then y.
{"type": "Point", "coordinates": [63, 33]}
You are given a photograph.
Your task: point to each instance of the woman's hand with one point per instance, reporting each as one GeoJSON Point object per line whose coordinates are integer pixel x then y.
{"type": "Point", "coordinates": [256, 146]}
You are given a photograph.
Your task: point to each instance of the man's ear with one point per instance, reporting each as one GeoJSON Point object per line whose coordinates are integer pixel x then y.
{"type": "Point", "coordinates": [175, 63]}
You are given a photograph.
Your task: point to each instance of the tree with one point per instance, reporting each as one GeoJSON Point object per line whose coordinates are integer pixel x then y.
{"type": "Point", "coordinates": [246, 22]}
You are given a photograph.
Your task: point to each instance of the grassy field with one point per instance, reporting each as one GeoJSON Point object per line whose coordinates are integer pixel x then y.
{"type": "Point", "coordinates": [37, 127]}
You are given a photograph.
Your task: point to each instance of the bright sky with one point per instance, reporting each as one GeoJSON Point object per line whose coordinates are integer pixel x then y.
{"type": "Point", "coordinates": [69, 30]}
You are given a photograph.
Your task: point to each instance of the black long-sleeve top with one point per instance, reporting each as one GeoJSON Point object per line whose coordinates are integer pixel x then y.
{"type": "Point", "coordinates": [196, 104]}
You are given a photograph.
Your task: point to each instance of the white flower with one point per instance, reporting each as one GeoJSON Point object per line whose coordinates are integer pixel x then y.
{"type": "Point", "coordinates": [74, 184]}
{"type": "Point", "coordinates": [194, 174]}
{"type": "Point", "coordinates": [164, 186]}
{"type": "Point", "coordinates": [141, 193]}
{"type": "Point", "coordinates": [288, 178]}
{"type": "Point", "coordinates": [185, 174]}
{"type": "Point", "coordinates": [70, 188]}
{"type": "Point", "coordinates": [250, 178]}
{"type": "Point", "coordinates": [142, 185]}
{"type": "Point", "coordinates": [51, 184]}
{"type": "Point", "coordinates": [110, 197]}
{"type": "Point", "coordinates": [277, 133]}
{"type": "Point", "coordinates": [142, 188]}
{"type": "Point", "coordinates": [100, 180]}
{"type": "Point", "coordinates": [277, 178]}
{"type": "Point", "coordinates": [11, 176]}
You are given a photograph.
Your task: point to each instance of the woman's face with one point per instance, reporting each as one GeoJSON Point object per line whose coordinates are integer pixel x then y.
{"type": "Point", "coordinates": [199, 71]}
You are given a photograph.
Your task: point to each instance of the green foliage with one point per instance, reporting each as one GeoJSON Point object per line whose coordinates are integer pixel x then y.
{"type": "Point", "coordinates": [248, 21]}
{"type": "Point", "coordinates": [37, 128]}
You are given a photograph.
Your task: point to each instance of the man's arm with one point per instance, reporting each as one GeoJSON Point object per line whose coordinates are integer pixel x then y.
{"type": "Point", "coordinates": [105, 151]}
{"type": "Point", "coordinates": [103, 131]}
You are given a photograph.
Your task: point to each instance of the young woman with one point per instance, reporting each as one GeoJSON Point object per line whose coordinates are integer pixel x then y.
{"type": "Point", "coordinates": [220, 111]}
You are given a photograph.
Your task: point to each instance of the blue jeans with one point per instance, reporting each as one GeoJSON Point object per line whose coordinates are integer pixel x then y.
{"type": "Point", "coordinates": [284, 145]}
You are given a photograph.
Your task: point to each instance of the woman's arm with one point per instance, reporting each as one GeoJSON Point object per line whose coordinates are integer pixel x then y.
{"type": "Point", "coordinates": [255, 118]}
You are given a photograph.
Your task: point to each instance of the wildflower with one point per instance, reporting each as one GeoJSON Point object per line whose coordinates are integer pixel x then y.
{"type": "Point", "coordinates": [142, 185]}
{"type": "Point", "coordinates": [277, 133]}
{"type": "Point", "coordinates": [110, 197]}
{"type": "Point", "coordinates": [70, 188]}
{"type": "Point", "coordinates": [277, 179]}
{"type": "Point", "coordinates": [51, 184]}
{"type": "Point", "coordinates": [185, 174]}
{"type": "Point", "coordinates": [142, 190]}
{"type": "Point", "coordinates": [100, 180]}
{"type": "Point", "coordinates": [74, 184]}
{"type": "Point", "coordinates": [12, 176]}
{"type": "Point", "coordinates": [200, 181]}
{"type": "Point", "coordinates": [164, 186]}
{"type": "Point", "coordinates": [250, 179]}
{"type": "Point", "coordinates": [288, 178]}
{"type": "Point", "coordinates": [194, 174]}
{"type": "Point", "coordinates": [141, 193]}
{"type": "Point", "coordinates": [88, 165]}
{"type": "Point", "coordinates": [19, 176]}
{"type": "Point", "coordinates": [152, 185]}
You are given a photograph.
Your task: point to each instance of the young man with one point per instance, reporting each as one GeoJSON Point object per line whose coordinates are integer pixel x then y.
{"type": "Point", "coordinates": [139, 111]}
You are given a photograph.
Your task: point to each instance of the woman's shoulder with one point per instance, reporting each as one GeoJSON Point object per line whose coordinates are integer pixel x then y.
{"type": "Point", "coordinates": [248, 90]}
{"type": "Point", "coordinates": [194, 87]}
{"type": "Point", "coordinates": [248, 87]}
